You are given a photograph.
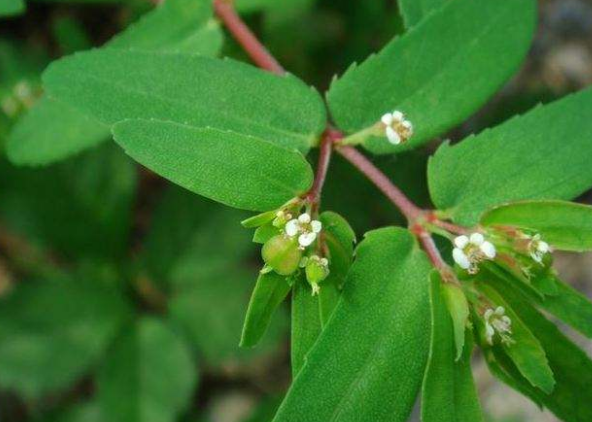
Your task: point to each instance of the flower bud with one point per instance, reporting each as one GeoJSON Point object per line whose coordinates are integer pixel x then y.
{"type": "Point", "coordinates": [282, 254]}
{"type": "Point", "coordinates": [317, 269]}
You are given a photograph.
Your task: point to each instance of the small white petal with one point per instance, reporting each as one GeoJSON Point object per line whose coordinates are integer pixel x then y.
{"type": "Point", "coordinates": [407, 125]}
{"type": "Point", "coordinates": [304, 218]}
{"type": "Point", "coordinates": [387, 119]}
{"type": "Point", "coordinates": [500, 310]}
{"type": "Point", "coordinates": [398, 116]}
{"type": "Point", "coordinates": [543, 247]}
{"type": "Point", "coordinates": [316, 226]}
{"type": "Point", "coordinates": [461, 241]}
{"type": "Point", "coordinates": [292, 227]}
{"type": "Point", "coordinates": [324, 262]}
{"type": "Point", "coordinates": [488, 250]}
{"type": "Point", "coordinates": [477, 239]}
{"type": "Point", "coordinates": [506, 320]}
{"type": "Point", "coordinates": [489, 332]}
{"type": "Point", "coordinates": [488, 314]}
{"type": "Point", "coordinates": [393, 136]}
{"type": "Point", "coordinates": [460, 258]}
{"type": "Point", "coordinates": [306, 239]}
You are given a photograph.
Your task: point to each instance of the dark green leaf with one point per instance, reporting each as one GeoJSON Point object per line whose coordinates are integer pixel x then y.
{"type": "Point", "coordinates": [114, 85]}
{"type": "Point", "coordinates": [269, 293]}
{"type": "Point", "coordinates": [237, 170]}
{"type": "Point", "coordinates": [12, 7]}
{"type": "Point", "coordinates": [438, 73]}
{"type": "Point", "coordinates": [370, 358]}
{"type": "Point", "coordinates": [306, 323]}
{"type": "Point", "coordinates": [448, 393]}
{"type": "Point", "coordinates": [52, 332]}
{"type": "Point", "coordinates": [541, 155]}
{"type": "Point", "coordinates": [148, 375]}
{"type": "Point", "coordinates": [565, 225]}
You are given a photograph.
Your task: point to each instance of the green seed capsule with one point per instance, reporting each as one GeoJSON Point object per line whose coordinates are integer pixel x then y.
{"type": "Point", "coordinates": [316, 270]}
{"type": "Point", "coordinates": [282, 254]}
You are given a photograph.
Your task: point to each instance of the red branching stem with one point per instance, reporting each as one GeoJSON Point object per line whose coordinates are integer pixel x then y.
{"type": "Point", "coordinates": [392, 192]}
{"type": "Point", "coordinates": [452, 228]}
{"type": "Point", "coordinates": [243, 35]}
{"type": "Point", "coordinates": [431, 250]}
{"type": "Point", "coordinates": [325, 152]}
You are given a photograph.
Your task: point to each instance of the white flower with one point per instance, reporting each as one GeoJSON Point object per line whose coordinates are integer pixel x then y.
{"type": "Point", "coordinates": [538, 248]}
{"type": "Point", "coordinates": [305, 228]}
{"type": "Point", "coordinates": [496, 321]}
{"type": "Point", "coordinates": [396, 128]}
{"type": "Point", "coordinates": [469, 251]}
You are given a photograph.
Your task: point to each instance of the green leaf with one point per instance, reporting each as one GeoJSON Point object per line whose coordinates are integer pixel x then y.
{"type": "Point", "coordinates": [264, 233]}
{"type": "Point", "coordinates": [236, 170]}
{"type": "Point", "coordinates": [12, 7]}
{"type": "Point", "coordinates": [83, 412]}
{"type": "Point", "coordinates": [571, 398]}
{"type": "Point", "coordinates": [79, 208]}
{"type": "Point", "coordinates": [565, 225]}
{"type": "Point", "coordinates": [526, 351]}
{"type": "Point", "coordinates": [52, 131]}
{"type": "Point", "coordinates": [371, 356]}
{"type": "Point", "coordinates": [458, 311]}
{"type": "Point", "coordinates": [448, 393]}
{"type": "Point", "coordinates": [114, 85]}
{"type": "Point", "coordinates": [187, 230]}
{"type": "Point", "coordinates": [52, 332]}
{"type": "Point", "coordinates": [339, 238]}
{"type": "Point", "coordinates": [148, 375]}
{"type": "Point", "coordinates": [414, 11]}
{"type": "Point", "coordinates": [438, 73]}
{"type": "Point", "coordinates": [270, 291]}
{"type": "Point", "coordinates": [541, 155]}
{"type": "Point", "coordinates": [306, 323]}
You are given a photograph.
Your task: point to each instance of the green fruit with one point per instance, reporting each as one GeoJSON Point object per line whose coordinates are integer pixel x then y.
{"type": "Point", "coordinates": [282, 254]}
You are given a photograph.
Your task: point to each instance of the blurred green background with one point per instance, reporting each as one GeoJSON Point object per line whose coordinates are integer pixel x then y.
{"type": "Point", "coordinates": [121, 294]}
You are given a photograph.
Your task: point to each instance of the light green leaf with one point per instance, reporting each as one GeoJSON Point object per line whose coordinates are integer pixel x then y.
{"type": "Point", "coordinates": [438, 73]}
{"type": "Point", "coordinates": [525, 351]}
{"type": "Point", "coordinates": [270, 291]}
{"type": "Point", "coordinates": [306, 323]}
{"type": "Point", "coordinates": [237, 170]}
{"type": "Point", "coordinates": [198, 91]}
{"type": "Point", "coordinates": [541, 155]}
{"type": "Point", "coordinates": [448, 393]}
{"type": "Point", "coordinates": [571, 398]}
{"type": "Point", "coordinates": [52, 131]}
{"type": "Point", "coordinates": [565, 225]}
{"type": "Point", "coordinates": [414, 11]}
{"type": "Point", "coordinates": [458, 311]}
{"type": "Point", "coordinates": [12, 7]}
{"type": "Point", "coordinates": [52, 332]}
{"type": "Point", "coordinates": [148, 375]}
{"type": "Point", "coordinates": [339, 238]}
{"type": "Point", "coordinates": [370, 358]}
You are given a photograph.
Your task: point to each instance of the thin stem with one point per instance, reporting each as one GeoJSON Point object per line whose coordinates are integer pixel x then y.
{"type": "Point", "coordinates": [325, 152]}
{"type": "Point", "coordinates": [243, 35]}
{"type": "Point", "coordinates": [453, 228]}
{"type": "Point", "coordinates": [397, 197]}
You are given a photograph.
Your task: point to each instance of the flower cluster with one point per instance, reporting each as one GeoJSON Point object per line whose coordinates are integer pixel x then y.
{"type": "Point", "coordinates": [396, 127]}
{"type": "Point", "coordinates": [538, 248]}
{"type": "Point", "coordinates": [471, 250]}
{"type": "Point", "coordinates": [496, 321]}
{"type": "Point", "coordinates": [305, 228]}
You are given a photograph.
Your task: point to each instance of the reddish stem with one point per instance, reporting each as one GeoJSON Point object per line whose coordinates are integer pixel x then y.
{"type": "Point", "coordinates": [452, 228]}
{"type": "Point", "coordinates": [397, 197]}
{"type": "Point", "coordinates": [243, 35]}
{"type": "Point", "coordinates": [325, 152]}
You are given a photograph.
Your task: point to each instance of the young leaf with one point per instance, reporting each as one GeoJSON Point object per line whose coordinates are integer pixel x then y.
{"type": "Point", "coordinates": [339, 238]}
{"type": "Point", "coordinates": [454, 54]}
{"type": "Point", "coordinates": [414, 11]}
{"type": "Point", "coordinates": [306, 323]}
{"type": "Point", "coordinates": [541, 155]}
{"type": "Point", "coordinates": [571, 397]}
{"type": "Point", "coordinates": [458, 311]}
{"type": "Point", "coordinates": [51, 332]}
{"type": "Point", "coordinates": [448, 392]}
{"type": "Point", "coordinates": [269, 293]}
{"type": "Point", "coordinates": [525, 350]}
{"type": "Point", "coordinates": [148, 375]}
{"type": "Point", "coordinates": [564, 225]}
{"type": "Point", "coordinates": [52, 131]}
{"type": "Point", "coordinates": [370, 357]}
{"type": "Point", "coordinates": [113, 85]}
{"type": "Point", "coordinates": [236, 170]}
{"type": "Point", "coordinates": [264, 233]}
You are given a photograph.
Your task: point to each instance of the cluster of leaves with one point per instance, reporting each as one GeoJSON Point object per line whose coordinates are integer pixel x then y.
{"type": "Point", "coordinates": [385, 325]}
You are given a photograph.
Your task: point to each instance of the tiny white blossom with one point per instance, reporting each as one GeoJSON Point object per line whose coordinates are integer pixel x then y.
{"type": "Point", "coordinates": [396, 128]}
{"type": "Point", "coordinates": [470, 250]}
{"type": "Point", "coordinates": [538, 248]}
{"type": "Point", "coordinates": [305, 228]}
{"type": "Point", "coordinates": [496, 321]}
